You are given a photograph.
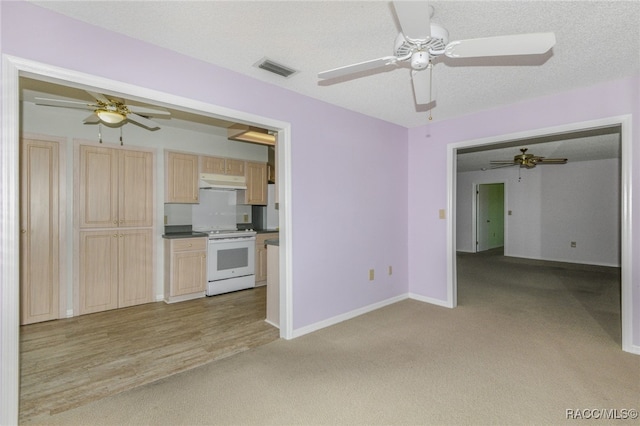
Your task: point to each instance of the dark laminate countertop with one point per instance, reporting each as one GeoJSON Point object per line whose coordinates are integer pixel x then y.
{"type": "Point", "coordinates": [192, 234]}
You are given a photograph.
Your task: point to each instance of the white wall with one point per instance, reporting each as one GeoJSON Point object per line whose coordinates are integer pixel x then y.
{"type": "Point", "coordinates": [67, 123]}
{"type": "Point", "coordinates": [551, 207]}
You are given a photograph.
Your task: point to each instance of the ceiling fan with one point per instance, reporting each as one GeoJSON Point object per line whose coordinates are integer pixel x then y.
{"type": "Point", "coordinates": [422, 41]}
{"type": "Point", "coordinates": [109, 111]}
{"type": "Point", "coordinates": [525, 160]}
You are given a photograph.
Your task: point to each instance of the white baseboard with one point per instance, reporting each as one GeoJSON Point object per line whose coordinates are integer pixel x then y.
{"type": "Point", "coordinates": [346, 316]}
{"type": "Point", "coordinates": [431, 300]}
{"type": "Point", "coordinates": [633, 349]}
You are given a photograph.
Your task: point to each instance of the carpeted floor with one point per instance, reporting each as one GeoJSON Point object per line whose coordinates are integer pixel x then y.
{"type": "Point", "coordinates": [525, 345]}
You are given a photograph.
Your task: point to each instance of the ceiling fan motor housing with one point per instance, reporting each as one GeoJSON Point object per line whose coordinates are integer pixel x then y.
{"type": "Point", "coordinates": [432, 47]}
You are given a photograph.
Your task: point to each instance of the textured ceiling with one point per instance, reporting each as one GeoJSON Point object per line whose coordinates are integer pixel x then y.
{"type": "Point", "coordinates": [596, 42]}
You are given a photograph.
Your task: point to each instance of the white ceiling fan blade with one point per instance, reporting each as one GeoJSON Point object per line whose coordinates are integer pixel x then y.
{"type": "Point", "coordinates": [415, 19]}
{"type": "Point", "coordinates": [63, 103]}
{"type": "Point", "coordinates": [361, 66]}
{"type": "Point", "coordinates": [147, 111]}
{"type": "Point", "coordinates": [98, 96]}
{"type": "Point", "coordinates": [145, 122]}
{"type": "Point", "coordinates": [519, 44]}
{"type": "Point", "coordinates": [92, 119]}
{"type": "Point", "coordinates": [421, 86]}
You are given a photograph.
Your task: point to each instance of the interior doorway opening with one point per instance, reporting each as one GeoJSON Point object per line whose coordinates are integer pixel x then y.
{"type": "Point", "coordinates": [489, 221]}
{"type": "Point", "coordinates": [622, 126]}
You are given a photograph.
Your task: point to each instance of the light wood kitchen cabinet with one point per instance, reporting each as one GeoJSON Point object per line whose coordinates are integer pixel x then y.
{"type": "Point", "coordinates": [39, 231]}
{"type": "Point", "coordinates": [115, 269]}
{"type": "Point", "coordinates": [115, 187]}
{"type": "Point", "coordinates": [185, 268]}
{"type": "Point", "coordinates": [182, 176]}
{"type": "Point", "coordinates": [256, 192]}
{"type": "Point", "coordinates": [261, 257]}
{"type": "Point", "coordinates": [221, 165]}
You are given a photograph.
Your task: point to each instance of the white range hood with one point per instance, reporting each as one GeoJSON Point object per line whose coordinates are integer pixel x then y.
{"type": "Point", "coordinates": [217, 181]}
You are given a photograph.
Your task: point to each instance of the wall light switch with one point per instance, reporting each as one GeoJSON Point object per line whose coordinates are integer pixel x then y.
{"type": "Point", "coordinates": [390, 269]}
{"type": "Point", "coordinates": [573, 244]}
{"type": "Point", "coordinates": [441, 214]}
{"type": "Point", "coordinates": [370, 274]}
{"type": "Point", "coordinates": [165, 219]}
{"type": "Point", "coordinates": [509, 212]}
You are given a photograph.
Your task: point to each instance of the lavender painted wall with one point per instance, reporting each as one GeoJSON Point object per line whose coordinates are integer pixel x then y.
{"type": "Point", "coordinates": [428, 170]}
{"type": "Point", "coordinates": [349, 180]}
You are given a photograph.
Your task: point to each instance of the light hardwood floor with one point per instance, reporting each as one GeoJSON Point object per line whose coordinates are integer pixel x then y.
{"type": "Point", "coordinates": [70, 362]}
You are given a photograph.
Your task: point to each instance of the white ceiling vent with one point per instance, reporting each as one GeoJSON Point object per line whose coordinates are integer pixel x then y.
{"type": "Point", "coordinates": [274, 67]}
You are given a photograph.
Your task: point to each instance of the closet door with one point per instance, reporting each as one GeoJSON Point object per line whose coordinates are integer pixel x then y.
{"type": "Point", "coordinates": [98, 271]}
{"type": "Point", "coordinates": [135, 195]}
{"type": "Point", "coordinates": [39, 231]}
{"type": "Point", "coordinates": [98, 187]}
{"type": "Point", "coordinates": [135, 267]}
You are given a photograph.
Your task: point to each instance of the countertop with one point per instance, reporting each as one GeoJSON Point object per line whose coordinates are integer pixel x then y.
{"type": "Point", "coordinates": [272, 242]}
{"type": "Point", "coordinates": [192, 234]}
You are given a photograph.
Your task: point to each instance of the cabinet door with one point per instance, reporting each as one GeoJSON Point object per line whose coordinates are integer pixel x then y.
{"type": "Point", "coordinates": [135, 195]}
{"type": "Point", "coordinates": [261, 263]}
{"type": "Point", "coordinates": [212, 165]}
{"type": "Point", "coordinates": [235, 167]}
{"type": "Point", "coordinates": [98, 271]}
{"type": "Point", "coordinates": [181, 184]}
{"type": "Point", "coordinates": [98, 187]}
{"type": "Point", "coordinates": [256, 183]}
{"type": "Point", "coordinates": [39, 231]}
{"type": "Point", "coordinates": [189, 272]}
{"type": "Point", "coordinates": [135, 266]}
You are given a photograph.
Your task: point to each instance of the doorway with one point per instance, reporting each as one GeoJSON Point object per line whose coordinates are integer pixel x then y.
{"type": "Point", "coordinates": [623, 123]}
{"type": "Point", "coordinates": [489, 216]}
{"type": "Point", "coordinates": [13, 69]}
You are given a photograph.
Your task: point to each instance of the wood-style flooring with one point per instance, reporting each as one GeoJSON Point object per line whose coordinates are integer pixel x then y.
{"type": "Point", "coordinates": [70, 362]}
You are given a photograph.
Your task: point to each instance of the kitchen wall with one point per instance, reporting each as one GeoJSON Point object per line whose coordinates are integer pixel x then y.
{"type": "Point", "coordinates": [552, 206]}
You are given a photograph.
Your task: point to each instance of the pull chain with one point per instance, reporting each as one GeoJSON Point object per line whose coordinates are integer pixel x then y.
{"type": "Point", "coordinates": [100, 132]}
{"type": "Point", "coordinates": [430, 90]}
{"type": "Point", "coordinates": [121, 135]}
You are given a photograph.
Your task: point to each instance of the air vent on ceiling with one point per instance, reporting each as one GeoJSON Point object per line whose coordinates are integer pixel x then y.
{"type": "Point", "coordinates": [268, 65]}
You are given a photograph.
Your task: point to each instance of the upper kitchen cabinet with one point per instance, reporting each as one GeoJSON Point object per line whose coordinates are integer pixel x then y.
{"type": "Point", "coordinates": [256, 192]}
{"type": "Point", "coordinates": [115, 187]}
{"type": "Point", "coordinates": [223, 166]}
{"type": "Point", "coordinates": [271, 165]}
{"type": "Point", "coordinates": [181, 171]}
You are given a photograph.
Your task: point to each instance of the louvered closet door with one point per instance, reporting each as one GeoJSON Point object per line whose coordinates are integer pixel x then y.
{"type": "Point", "coordinates": [39, 231]}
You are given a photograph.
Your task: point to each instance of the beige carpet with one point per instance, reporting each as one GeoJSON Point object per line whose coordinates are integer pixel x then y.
{"type": "Point", "coordinates": [524, 346]}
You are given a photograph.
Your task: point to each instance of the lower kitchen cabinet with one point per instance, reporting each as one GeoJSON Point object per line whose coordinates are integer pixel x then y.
{"type": "Point", "coordinates": [185, 274]}
{"type": "Point", "coordinates": [115, 269]}
{"type": "Point", "coordinates": [261, 257]}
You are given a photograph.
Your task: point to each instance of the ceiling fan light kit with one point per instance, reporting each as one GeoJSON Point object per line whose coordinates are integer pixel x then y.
{"type": "Point", "coordinates": [421, 42]}
{"type": "Point", "coordinates": [110, 111]}
{"type": "Point", "coordinates": [110, 117]}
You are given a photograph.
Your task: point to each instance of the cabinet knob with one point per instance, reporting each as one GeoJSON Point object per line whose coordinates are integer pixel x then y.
{"type": "Point", "coordinates": [190, 245]}
{"type": "Point", "coordinates": [115, 235]}
{"type": "Point", "coordinates": [115, 221]}
{"type": "Point", "coordinates": [23, 231]}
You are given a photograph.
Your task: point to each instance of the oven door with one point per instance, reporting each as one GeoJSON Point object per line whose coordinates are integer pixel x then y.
{"type": "Point", "coordinates": [231, 257]}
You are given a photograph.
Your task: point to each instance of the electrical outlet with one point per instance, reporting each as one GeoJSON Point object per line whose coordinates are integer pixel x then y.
{"type": "Point", "coordinates": [165, 219]}
{"type": "Point", "coordinates": [390, 270]}
{"type": "Point", "coordinates": [573, 244]}
{"type": "Point", "coordinates": [246, 218]}
{"type": "Point", "coordinates": [371, 273]}
{"type": "Point", "coordinates": [509, 213]}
